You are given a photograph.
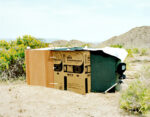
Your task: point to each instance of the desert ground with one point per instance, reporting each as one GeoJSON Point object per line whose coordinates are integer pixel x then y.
{"type": "Point", "coordinates": [17, 99]}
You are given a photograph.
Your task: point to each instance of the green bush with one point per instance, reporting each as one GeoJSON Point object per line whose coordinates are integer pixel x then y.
{"type": "Point", "coordinates": [4, 44]}
{"type": "Point", "coordinates": [130, 53]}
{"type": "Point", "coordinates": [136, 98]}
{"type": "Point", "coordinates": [116, 46]}
{"type": "Point", "coordinates": [86, 45]}
{"type": "Point", "coordinates": [143, 52]}
{"type": "Point", "coordinates": [12, 55]}
{"type": "Point", "coordinates": [135, 50]}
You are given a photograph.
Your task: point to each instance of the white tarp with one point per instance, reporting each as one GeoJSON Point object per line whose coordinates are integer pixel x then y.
{"type": "Point", "coordinates": [117, 52]}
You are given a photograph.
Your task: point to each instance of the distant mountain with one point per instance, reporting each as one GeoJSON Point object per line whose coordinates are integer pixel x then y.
{"type": "Point", "coordinates": [60, 43]}
{"type": "Point", "coordinates": [138, 37]}
{"type": "Point", "coordinates": [49, 40]}
{"type": "Point", "coordinates": [71, 43]}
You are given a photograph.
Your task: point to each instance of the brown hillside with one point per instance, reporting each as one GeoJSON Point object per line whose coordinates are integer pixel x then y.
{"type": "Point", "coordinates": [71, 43]}
{"type": "Point", "coordinates": [138, 37]}
{"type": "Point", "coordinates": [60, 43]}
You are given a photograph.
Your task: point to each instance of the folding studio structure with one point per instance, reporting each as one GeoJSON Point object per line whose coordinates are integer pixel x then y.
{"type": "Point", "coordinates": [80, 70]}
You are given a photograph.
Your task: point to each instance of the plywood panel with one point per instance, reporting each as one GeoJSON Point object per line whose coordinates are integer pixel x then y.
{"type": "Point", "coordinates": [39, 68]}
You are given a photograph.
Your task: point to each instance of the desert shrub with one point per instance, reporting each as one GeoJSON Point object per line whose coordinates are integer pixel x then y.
{"type": "Point", "coordinates": [86, 45]}
{"type": "Point", "coordinates": [136, 98]}
{"type": "Point", "coordinates": [135, 50]}
{"type": "Point", "coordinates": [16, 80]}
{"type": "Point", "coordinates": [16, 69]}
{"type": "Point", "coordinates": [116, 46]}
{"type": "Point", "coordinates": [12, 55]}
{"type": "Point", "coordinates": [143, 52]}
{"type": "Point", "coordinates": [130, 53]}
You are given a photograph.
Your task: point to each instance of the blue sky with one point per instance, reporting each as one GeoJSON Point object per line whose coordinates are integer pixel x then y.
{"type": "Point", "coordinates": [85, 20]}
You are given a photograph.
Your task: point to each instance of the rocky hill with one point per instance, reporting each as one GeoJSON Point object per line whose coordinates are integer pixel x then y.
{"type": "Point", "coordinates": [138, 37]}
{"type": "Point", "coordinates": [71, 43]}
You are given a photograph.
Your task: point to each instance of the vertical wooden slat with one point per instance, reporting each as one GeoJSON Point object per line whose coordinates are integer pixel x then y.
{"type": "Point", "coordinates": [49, 69]}
{"type": "Point", "coordinates": [27, 52]}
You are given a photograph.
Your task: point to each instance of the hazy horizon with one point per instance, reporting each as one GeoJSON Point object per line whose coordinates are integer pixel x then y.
{"type": "Point", "coordinates": [49, 40]}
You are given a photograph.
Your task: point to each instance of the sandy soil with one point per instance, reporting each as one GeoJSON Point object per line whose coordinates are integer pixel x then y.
{"type": "Point", "coordinates": [21, 100]}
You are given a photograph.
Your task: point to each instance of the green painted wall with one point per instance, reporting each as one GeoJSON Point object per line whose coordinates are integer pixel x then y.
{"type": "Point", "coordinates": [103, 71]}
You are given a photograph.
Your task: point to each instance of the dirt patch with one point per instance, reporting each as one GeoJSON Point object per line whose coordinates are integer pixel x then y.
{"type": "Point", "coordinates": [21, 100]}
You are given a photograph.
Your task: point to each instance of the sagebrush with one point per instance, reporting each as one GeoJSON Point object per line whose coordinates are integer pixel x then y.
{"type": "Point", "coordinates": [136, 98]}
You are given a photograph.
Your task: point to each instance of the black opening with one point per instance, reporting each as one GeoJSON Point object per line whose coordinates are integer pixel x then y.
{"type": "Point", "coordinates": [65, 82]}
{"type": "Point", "coordinates": [112, 90]}
{"type": "Point", "coordinates": [86, 85]}
{"type": "Point", "coordinates": [58, 67]}
{"type": "Point", "coordinates": [121, 68]}
{"type": "Point", "coordinates": [78, 69]}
